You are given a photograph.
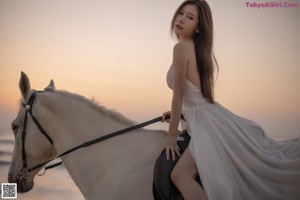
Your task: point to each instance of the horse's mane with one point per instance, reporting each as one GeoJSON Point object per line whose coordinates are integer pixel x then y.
{"type": "Point", "coordinates": [94, 104]}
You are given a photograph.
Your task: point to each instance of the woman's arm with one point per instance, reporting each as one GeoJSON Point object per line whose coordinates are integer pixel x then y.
{"type": "Point", "coordinates": [180, 63]}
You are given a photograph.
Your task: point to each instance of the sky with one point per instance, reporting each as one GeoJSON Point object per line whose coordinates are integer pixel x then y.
{"type": "Point", "coordinates": [119, 51]}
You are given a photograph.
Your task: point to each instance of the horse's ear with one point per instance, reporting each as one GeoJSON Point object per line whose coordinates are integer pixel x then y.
{"type": "Point", "coordinates": [24, 86]}
{"type": "Point", "coordinates": [50, 87]}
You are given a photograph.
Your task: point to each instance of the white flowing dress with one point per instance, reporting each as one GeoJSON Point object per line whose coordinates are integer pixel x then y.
{"type": "Point", "coordinates": [236, 160]}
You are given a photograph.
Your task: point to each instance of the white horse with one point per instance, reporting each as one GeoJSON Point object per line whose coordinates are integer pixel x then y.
{"type": "Point", "coordinates": [118, 168]}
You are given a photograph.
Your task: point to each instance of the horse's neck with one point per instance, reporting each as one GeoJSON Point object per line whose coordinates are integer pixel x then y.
{"type": "Point", "coordinates": [72, 120]}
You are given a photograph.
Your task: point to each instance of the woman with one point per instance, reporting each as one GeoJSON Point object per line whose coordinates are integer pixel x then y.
{"type": "Point", "coordinates": [233, 156]}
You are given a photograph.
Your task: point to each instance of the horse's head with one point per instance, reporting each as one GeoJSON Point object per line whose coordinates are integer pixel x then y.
{"type": "Point", "coordinates": [31, 147]}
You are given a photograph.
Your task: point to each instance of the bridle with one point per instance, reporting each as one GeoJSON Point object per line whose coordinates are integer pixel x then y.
{"type": "Point", "coordinates": [29, 106]}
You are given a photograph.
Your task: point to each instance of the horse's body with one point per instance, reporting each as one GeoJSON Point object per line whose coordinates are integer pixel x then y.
{"type": "Point", "coordinates": [118, 168]}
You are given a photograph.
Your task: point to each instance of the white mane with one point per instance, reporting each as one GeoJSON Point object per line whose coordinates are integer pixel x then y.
{"type": "Point", "coordinates": [94, 104]}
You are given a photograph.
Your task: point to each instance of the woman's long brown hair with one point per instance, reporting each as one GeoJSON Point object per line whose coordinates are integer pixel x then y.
{"type": "Point", "coordinates": [203, 46]}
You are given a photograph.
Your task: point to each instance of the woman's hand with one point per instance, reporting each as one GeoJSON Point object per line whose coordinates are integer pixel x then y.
{"type": "Point", "coordinates": [171, 140]}
{"type": "Point", "coordinates": [171, 146]}
{"type": "Point", "coordinates": [166, 117]}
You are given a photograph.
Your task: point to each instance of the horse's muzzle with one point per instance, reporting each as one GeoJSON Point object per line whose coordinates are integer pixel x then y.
{"type": "Point", "coordinates": [23, 185]}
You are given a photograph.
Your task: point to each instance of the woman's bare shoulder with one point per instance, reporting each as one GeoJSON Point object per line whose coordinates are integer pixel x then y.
{"type": "Point", "coordinates": [184, 47]}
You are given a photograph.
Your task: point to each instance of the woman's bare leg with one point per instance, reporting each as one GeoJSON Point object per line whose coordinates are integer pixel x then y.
{"type": "Point", "coordinates": [183, 176]}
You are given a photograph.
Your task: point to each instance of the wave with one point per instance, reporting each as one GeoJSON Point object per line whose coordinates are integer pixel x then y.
{"type": "Point", "coordinates": [6, 146]}
{"type": "Point", "coordinates": [5, 153]}
{"type": "Point", "coordinates": [7, 141]}
{"type": "Point", "coordinates": [4, 163]}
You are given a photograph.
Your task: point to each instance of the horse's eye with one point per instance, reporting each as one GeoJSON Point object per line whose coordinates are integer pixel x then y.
{"type": "Point", "coordinates": [15, 128]}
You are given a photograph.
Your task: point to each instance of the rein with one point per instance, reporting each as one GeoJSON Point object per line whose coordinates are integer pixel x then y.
{"type": "Point", "coordinates": [29, 106]}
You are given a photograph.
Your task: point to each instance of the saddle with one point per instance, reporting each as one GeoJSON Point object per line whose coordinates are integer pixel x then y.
{"type": "Point", "coordinates": [163, 188]}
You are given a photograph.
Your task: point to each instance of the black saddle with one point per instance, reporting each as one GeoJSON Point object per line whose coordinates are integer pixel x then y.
{"type": "Point", "coordinates": [163, 188]}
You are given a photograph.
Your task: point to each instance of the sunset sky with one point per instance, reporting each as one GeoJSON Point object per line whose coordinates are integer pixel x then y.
{"type": "Point", "coordinates": [118, 52]}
